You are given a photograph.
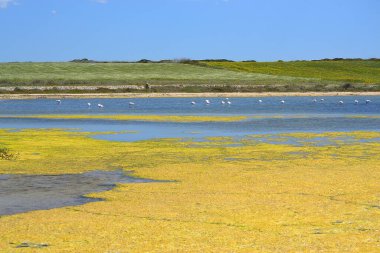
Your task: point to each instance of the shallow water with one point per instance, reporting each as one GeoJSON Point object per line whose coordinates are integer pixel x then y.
{"type": "Point", "coordinates": [140, 130]}
{"type": "Point", "coordinates": [298, 114]}
{"type": "Point", "coordinates": [182, 106]}
{"type": "Point", "coordinates": [24, 193]}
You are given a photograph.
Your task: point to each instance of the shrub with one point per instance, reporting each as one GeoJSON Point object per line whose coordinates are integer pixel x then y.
{"type": "Point", "coordinates": [347, 86]}
{"type": "Point", "coordinates": [5, 154]}
{"type": "Point", "coordinates": [144, 61]}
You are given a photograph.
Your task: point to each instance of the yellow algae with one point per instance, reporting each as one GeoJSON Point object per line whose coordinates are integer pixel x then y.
{"type": "Point", "coordinates": [363, 116]}
{"type": "Point", "coordinates": [269, 199]}
{"type": "Point", "coordinates": [158, 118]}
{"type": "Point", "coordinates": [333, 137]}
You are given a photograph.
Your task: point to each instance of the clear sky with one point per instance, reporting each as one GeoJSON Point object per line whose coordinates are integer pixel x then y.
{"type": "Point", "coordinates": [263, 30]}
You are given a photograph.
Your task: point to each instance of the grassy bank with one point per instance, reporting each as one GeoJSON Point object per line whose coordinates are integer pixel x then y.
{"type": "Point", "coordinates": [221, 95]}
{"type": "Point", "coordinates": [204, 76]}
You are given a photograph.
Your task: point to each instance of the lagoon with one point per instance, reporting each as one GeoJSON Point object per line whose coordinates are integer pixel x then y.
{"type": "Point", "coordinates": [297, 114]}
{"type": "Point", "coordinates": [266, 184]}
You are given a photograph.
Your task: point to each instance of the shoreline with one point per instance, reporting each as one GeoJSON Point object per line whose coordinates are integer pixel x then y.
{"type": "Point", "coordinates": [185, 95]}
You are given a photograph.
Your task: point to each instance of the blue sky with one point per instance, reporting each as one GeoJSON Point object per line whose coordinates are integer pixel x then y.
{"type": "Point", "coordinates": [263, 30]}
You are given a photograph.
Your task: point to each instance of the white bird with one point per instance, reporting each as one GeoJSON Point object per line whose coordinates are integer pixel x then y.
{"type": "Point", "coordinates": [229, 102]}
{"type": "Point", "coordinates": [131, 104]}
{"type": "Point", "coordinates": [356, 101]}
{"type": "Point", "coordinates": [89, 104]}
{"type": "Point", "coordinates": [322, 99]}
{"type": "Point", "coordinates": [227, 98]}
{"type": "Point", "coordinates": [207, 101]}
{"type": "Point", "coordinates": [100, 106]}
{"type": "Point", "coordinates": [315, 100]}
{"type": "Point", "coordinates": [368, 101]}
{"type": "Point", "coordinates": [341, 102]}
{"type": "Point", "coordinates": [193, 102]}
{"type": "Point", "coordinates": [260, 101]}
{"type": "Point", "coordinates": [58, 101]}
{"type": "Point", "coordinates": [223, 102]}
{"type": "Point", "coordinates": [282, 101]}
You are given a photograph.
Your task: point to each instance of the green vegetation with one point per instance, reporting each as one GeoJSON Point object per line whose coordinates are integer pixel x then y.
{"type": "Point", "coordinates": [123, 74]}
{"type": "Point", "coordinates": [355, 71]}
{"type": "Point", "coordinates": [189, 76]}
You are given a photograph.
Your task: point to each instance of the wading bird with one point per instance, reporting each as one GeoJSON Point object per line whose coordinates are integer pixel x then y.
{"type": "Point", "coordinates": [341, 102]}
{"type": "Point", "coordinates": [356, 101]}
{"type": "Point", "coordinates": [282, 101]}
{"type": "Point", "coordinates": [100, 106]}
{"type": "Point", "coordinates": [368, 101]}
{"type": "Point", "coordinates": [193, 102]}
{"type": "Point", "coordinates": [207, 102]}
{"type": "Point", "coordinates": [58, 101]}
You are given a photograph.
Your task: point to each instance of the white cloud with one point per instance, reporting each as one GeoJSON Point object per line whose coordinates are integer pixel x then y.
{"type": "Point", "coordinates": [102, 1]}
{"type": "Point", "coordinates": [4, 3]}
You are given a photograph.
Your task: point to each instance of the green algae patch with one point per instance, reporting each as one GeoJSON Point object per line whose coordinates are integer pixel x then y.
{"type": "Point", "coordinates": [270, 197]}
{"type": "Point", "coordinates": [154, 118]}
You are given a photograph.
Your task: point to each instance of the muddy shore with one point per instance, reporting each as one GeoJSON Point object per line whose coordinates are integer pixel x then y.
{"type": "Point", "coordinates": [184, 95]}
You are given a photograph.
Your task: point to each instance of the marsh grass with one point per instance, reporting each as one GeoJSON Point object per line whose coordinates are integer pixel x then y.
{"type": "Point", "coordinates": [348, 72]}
{"type": "Point", "coordinates": [159, 76]}
{"type": "Point", "coordinates": [199, 76]}
{"type": "Point", "coordinates": [121, 74]}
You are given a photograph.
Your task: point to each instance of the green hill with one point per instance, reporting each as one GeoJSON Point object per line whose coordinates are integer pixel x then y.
{"type": "Point", "coordinates": [355, 71]}
{"type": "Point", "coordinates": [195, 77]}
{"type": "Point", "coordinates": [126, 73]}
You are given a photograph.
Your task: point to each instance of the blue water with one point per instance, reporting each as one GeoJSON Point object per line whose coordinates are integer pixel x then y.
{"type": "Point", "coordinates": [24, 193]}
{"type": "Point", "coordinates": [175, 106]}
{"type": "Point", "coordinates": [320, 116]}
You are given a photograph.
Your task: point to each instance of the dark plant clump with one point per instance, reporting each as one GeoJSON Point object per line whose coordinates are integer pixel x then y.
{"type": "Point", "coordinates": [144, 61]}
{"type": "Point", "coordinates": [5, 154]}
{"type": "Point", "coordinates": [347, 86]}
{"type": "Point", "coordinates": [84, 60]}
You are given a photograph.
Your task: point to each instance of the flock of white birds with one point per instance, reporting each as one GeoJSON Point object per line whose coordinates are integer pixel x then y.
{"type": "Point", "coordinates": [227, 101]}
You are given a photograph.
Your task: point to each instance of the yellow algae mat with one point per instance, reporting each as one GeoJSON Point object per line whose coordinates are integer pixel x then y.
{"type": "Point", "coordinates": [225, 195]}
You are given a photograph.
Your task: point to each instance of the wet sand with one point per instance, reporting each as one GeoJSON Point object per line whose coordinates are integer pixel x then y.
{"type": "Point", "coordinates": [185, 95]}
